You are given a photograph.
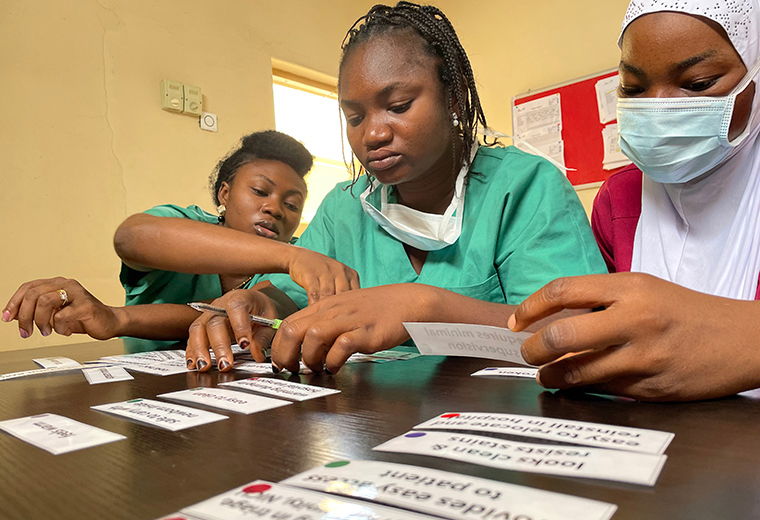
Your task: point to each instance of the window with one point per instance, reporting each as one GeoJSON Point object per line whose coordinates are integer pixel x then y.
{"type": "Point", "coordinates": [309, 111]}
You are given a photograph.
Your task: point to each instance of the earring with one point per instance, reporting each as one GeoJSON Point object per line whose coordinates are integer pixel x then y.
{"type": "Point", "coordinates": [221, 209]}
{"type": "Point", "coordinates": [454, 119]}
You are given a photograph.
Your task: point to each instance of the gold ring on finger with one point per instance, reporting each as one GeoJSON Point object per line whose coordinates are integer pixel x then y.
{"type": "Point", "coordinates": [64, 297]}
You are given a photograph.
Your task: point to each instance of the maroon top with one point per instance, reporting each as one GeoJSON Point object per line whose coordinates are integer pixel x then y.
{"type": "Point", "coordinates": [614, 218]}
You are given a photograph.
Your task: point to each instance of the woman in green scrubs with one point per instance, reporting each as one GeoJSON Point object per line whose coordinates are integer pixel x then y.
{"type": "Point", "coordinates": [439, 216]}
{"type": "Point", "coordinates": [173, 255]}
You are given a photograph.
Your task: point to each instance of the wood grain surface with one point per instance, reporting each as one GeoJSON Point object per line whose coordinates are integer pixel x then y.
{"type": "Point", "coordinates": [712, 471]}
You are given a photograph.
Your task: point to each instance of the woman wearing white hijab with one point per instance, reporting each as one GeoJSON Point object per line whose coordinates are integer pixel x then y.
{"type": "Point", "coordinates": [689, 118]}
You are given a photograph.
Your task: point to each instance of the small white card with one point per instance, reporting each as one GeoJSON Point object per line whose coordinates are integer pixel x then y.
{"type": "Point", "coordinates": [96, 376]}
{"type": "Point", "coordinates": [172, 417]}
{"type": "Point", "coordinates": [231, 400]}
{"type": "Point", "coordinates": [569, 461]}
{"type": "Point", "coordinates": [460, 339]}
{"type": "Point", "coordinates": [57, 434]}
{"type": "Point", "coordinates": [281, 388]}
{"type": "Point", "coordinates": [562, 430]}
{"type": "Point", "coordinates": [268, 501]}
{"type": "Point", "coordinates": [527, 373]}
{"type": "Point", "coordinates": [37, 372]}
{"type": "Point", "coordinates": [264, 369]}
{"type": "Point", "coordinates": [57, 361]}
{"type": "Point", "coordinates": [159, 362]}
{"type": "Point", "coordinates": [445, 494]}
{"type": "Point", "coordinates": [150, 367]}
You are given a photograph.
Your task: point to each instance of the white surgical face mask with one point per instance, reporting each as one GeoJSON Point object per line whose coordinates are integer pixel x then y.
{"type": "Point", "coordinates": [423, 231]}
{"type": "Point", "coordinates": [675, 140]}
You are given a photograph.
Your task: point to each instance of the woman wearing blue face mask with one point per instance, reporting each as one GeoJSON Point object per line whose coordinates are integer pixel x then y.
{"type": "Point", "coordinates": [444, 219]}
{"type": "Point", "coordinates": [689, 119]}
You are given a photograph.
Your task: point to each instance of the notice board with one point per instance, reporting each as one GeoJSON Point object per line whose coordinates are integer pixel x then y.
{"type": "Point", "coordinates": [588, 126]}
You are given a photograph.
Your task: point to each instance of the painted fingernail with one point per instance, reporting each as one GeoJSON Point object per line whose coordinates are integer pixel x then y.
{"type": "Point", "coordinates": [24, 334]}
{"type": "Point", "coordinates": [275, 368]}
{"type": "Point", "coordinates": [244, 343]}
{"type": "Point", "coordinates": [512, 322]}
{"type": "Point", "coordinates": [223, 365]}
{"type": "Point", "coordinates": [201, 364]}
{"type": "Point", "coordinates": [327, 371]}
{"type": "Point", "coordinates": [6, 316]}
{"type": "Point", "coordinates": [189, 362]}
{"type": "Point", "coordinates": [45, 332]}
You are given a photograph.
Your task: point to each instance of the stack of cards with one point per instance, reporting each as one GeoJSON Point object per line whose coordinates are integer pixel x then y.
{"type": "Point", "coordinates": [637, 455]}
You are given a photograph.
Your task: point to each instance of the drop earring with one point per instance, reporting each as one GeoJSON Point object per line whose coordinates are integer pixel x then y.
{"type": "Point", "coordinates": [221, 209]}
{"type": "Point", "coordinates": [454, 119]}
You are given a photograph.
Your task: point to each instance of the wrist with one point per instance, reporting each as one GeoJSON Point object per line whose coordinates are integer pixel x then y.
{"type": "Point", "coordinates": [121, 321]}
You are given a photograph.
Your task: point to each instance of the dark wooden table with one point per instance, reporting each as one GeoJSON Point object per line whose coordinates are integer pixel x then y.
{"type": "Point", "coordinates": [712, 472]}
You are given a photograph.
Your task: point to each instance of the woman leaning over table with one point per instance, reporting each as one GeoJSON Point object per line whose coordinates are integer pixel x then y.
{"type": "Point", "coordinates": [444, 219]}
{"type": "Point", "coordinates": [684, 324]}
{"type": "Point", "coordinates": [173, 255]}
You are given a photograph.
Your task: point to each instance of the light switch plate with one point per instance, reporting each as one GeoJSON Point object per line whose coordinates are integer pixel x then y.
{"type": "Point", "coordinates": [172, 95]}
{"type": "Point", "coordinates": [193, 100]}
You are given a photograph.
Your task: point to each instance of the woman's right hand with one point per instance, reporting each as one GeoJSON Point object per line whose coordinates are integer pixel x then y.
{"type": "Point", "coordinates": [41, 302]}
{"type": "Point", "coordinates": [320, 275]}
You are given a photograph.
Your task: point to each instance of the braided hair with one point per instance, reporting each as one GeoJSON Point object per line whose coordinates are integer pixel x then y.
{"type": "Point", "coordinates": [441, 43]}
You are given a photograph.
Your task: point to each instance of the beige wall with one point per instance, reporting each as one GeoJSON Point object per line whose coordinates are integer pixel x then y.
{"type": "Point", "coordinates": [84, 142]}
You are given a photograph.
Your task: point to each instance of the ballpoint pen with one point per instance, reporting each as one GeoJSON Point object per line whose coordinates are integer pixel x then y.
{"type": "Point", "coordinates": [205, 307]}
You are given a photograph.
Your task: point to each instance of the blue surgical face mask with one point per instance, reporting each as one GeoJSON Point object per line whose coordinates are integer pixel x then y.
{"type": "Point", "coordinates": [675, 140]}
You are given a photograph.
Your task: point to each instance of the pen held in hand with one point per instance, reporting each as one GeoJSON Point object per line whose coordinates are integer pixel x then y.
{"type": "Point", "coordinates": [205, 307]}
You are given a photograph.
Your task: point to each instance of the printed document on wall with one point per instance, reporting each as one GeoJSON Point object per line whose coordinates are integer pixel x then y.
{"type": "Point", "coordinates": [613, 157]}
{"type": "Point", "coordinates": [539, 123]}
{"type": "Point", "coordinates": [606, 98]}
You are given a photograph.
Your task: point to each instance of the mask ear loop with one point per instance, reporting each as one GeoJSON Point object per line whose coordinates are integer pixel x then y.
{"type": "Point", "coordinates": [728, 116]}
{"type": "Point", "coordinates": [489, 132]}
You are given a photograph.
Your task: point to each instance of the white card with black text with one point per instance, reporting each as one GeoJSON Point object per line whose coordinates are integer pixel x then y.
{"type": "Point", "coordinates": [57, 434]}
{"type": "Point", "coordinates": [568, 461]}
{"type": "Point", "coordinates": [445, 494]}
{"type": "Point", "coordinates": [240, 402]}
{"type": "Point", "coordinates": [172, 417]}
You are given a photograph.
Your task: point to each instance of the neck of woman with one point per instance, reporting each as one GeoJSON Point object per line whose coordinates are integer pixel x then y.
{"type": "Point", "coordinates": [432, 192]}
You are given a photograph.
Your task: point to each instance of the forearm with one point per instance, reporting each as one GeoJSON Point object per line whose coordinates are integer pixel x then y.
{"type": "Point", "coordinates": [157, 321]}
{"type": "Point", "coordinates": [441, 305]}
{"type": "Point", "coordinates": [187, 246]}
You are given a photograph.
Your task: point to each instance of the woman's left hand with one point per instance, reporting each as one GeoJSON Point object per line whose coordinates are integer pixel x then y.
{"type": "Point", "coordinates": [654, 340]}
{"type": "Point", "coordinates": [365, 320]}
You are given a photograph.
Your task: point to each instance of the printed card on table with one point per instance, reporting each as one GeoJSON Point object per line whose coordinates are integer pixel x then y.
{"type": "Point", "coordinates": [569, 461]}
{"type": "Point", "coordinates": [268, 501]}
{"type": "Point", "coordinates": [99, 375]}
{"type": "Point", "coordinates": [231, 400]}
{"type": "Point", "coordinates": [281, 388]}
{"type": "Point", "coordinates": [459, 339]}
{"type": "Point", "coordinates": [56, 361]}
{"type": "Point", "coordinates": [159, 362]}
{"type": "Point", "coordinates": [526, 373]}
{"type": "Point", "coordinates": [37, 372]}
{"type": "Point", "coordinates": [172, 417]}
{"type": "Point", "coordinates": [446, 494]}
{"type": "Point", "coordinates": [264, 369]}
{"type": "Point", "coordinates": [562, 430]}
{"type": "Point", "coordinates": [57, 434]}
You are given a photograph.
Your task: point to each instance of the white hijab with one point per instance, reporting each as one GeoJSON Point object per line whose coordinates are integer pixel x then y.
{"type": "Point", "coordinates": [705, 234]}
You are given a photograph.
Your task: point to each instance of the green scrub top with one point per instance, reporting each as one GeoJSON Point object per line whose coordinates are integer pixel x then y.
{"type": "Point", "coordinates": [523, 226]}
{"type": "Point", "coordinates": [157, 286]}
